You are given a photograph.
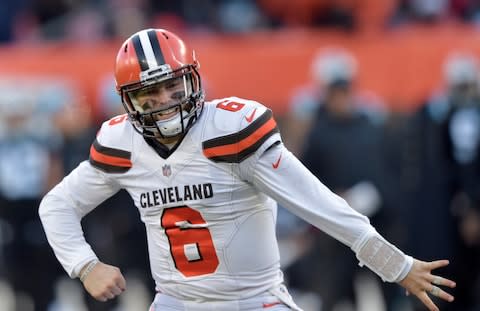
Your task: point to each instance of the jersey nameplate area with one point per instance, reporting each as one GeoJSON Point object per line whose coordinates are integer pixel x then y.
{"type": "Point", "coordinates": [176, 194]}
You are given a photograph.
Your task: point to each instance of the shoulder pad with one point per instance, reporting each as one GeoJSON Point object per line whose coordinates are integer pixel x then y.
{"type": "Point", "coordinates": [239, 128]}
{"type": "Point", "coordinates": [111, 150]}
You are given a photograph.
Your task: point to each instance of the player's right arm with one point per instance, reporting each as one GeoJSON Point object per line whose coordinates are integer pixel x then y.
{"type": "Point", "coordinates": [61, 211]}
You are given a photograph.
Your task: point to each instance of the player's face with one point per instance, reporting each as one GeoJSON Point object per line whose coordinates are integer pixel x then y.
{"type": "Point", "coordinates": [161, 96]}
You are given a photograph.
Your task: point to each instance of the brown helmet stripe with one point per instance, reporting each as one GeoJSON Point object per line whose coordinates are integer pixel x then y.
{"type": "Point", "coordinates": [142, 59]}
{"type": "Point", "coordinates": [152, 36]}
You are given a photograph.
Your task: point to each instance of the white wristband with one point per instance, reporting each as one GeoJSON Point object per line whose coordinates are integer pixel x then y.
{"type": "Point", "coordinates": [88, 269]}
{"type": "Point", "coordinates": [383, 258]}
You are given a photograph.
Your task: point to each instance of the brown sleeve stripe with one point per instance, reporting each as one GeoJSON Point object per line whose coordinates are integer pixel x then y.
{"type": "Point", "coordinates": [238, 136]}
{"type": "Point", "coordinates": [236, 147]}
{"type": "Point", "coordinates": [109, 160]}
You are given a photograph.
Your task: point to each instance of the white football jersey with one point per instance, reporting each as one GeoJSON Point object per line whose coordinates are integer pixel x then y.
{"type": "Point", "coordinates": [206, 204]}
{"type": "Point", "coordinates": [210, 233]}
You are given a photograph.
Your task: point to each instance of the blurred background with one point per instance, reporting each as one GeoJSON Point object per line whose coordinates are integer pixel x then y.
{"type": "Point", "coordinates": [379, 98]}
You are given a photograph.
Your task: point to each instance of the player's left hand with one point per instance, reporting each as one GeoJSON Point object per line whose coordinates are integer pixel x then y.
{"type": "Point", "coordinates": [421, 282]}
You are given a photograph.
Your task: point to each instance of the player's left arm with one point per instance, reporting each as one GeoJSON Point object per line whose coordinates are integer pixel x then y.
{"type": "Point", "coordinates": [279, 174]}
{"type": "Point", "coordinates": [264, 161]}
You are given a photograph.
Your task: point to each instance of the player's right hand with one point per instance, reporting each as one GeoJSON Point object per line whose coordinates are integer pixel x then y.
{"type": "Point", "coordinates": [104, 282]}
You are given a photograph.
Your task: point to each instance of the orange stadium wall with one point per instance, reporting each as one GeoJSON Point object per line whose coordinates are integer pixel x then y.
{"type": "Point", "coordinates": [401, 66]}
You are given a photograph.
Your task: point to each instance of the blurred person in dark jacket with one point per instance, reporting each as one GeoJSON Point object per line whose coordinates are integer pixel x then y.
{"type": "Point", "coordinates": [449, 141]}
{"type": "Point", "coordinates": [343, 149]}
{"type": "Point", "coordinates": [330, 67]}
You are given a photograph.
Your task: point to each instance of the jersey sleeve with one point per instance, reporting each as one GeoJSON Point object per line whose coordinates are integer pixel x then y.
{"type": "Point", "coordinates": [242, 128]}
{"type": "Point", "coordinates": [280, 175]}
{"type": "Point", "coordinates": [92, 182]}
{"type": "Point", "coordinates": [62, 209]}
{"type": "Point", "coordinates": [111, 150]}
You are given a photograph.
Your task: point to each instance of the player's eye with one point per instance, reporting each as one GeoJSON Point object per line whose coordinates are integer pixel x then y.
{"type": "Point", "coordinates": [147, 104]}
{"type": "Point", "coordinates": [178, 95]}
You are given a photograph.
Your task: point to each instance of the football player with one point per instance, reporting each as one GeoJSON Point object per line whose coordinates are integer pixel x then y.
{"type": "Point", "coordinates": [205, 177]}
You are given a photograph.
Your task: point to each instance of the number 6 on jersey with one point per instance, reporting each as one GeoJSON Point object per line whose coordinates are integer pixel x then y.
{"type": "Point", "coordinates": [191, 245]}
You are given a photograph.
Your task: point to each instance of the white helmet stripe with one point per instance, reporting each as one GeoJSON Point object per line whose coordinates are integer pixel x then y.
{"type": "Point", "coordinates": [147, 49]}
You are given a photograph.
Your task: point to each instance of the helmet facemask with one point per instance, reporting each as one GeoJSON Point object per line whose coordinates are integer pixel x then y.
{"type": "Point", "coordinates": [164, 105]}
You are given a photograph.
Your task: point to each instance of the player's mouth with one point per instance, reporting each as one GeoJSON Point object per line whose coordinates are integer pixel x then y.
{"type": "Point", "coordinates": [168, 113]}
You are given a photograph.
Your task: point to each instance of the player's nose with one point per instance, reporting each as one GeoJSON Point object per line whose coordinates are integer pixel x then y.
{"type": "Point", "coordinates": [162, 99]}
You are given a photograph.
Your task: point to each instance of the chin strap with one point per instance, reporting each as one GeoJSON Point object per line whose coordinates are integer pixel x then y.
{"type": "Point", "coordinates": [382, 257]}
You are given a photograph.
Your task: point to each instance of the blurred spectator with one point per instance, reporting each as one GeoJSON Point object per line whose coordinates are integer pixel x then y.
{"type": "Point", "coordinates": [203, 15]}
{"type": "Point", "coordinates": [444, 137]}
{"type": "Point", "coordinates": [309, 13]}
{"type": "Point", "coordinates": [28, 20]}
{"type": "Point", "coordinates": [343, 149]}
{"type": "Point", "coordinates": [59, 21]}
{"type": "Point", "coordinates": [428, 10]}
{"type": "Point", "coordinates": [75, 123]}
{"type": "Point", "coordinates": [9, 11]}
{"type": "Point", "coordinates": [45, 17]}
{"type": "Point", "coordinates": [462, 124]}
{"type": "Point", "coordinates": [467, 10]}
{"type": "Point", "coordinates": [425, 11]}
{"type": "Point", "coordinates": [28, 166]}
{"type": "Point", "coordinates": [332, 69]}
{"type": "Point", "coordinates": [239, 16]}
{"type": "Point", "coordinates": [435, 12]}
{"type": "Point", "coordinates": [85, 25]}
{"type": "Point", "coordinates": [125, 17]}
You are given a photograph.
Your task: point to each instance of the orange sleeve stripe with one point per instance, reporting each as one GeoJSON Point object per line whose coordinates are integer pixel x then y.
{"type": "Point", "coordinates": [235, 148]}
{"type": "Point", "coordinates": [110, 160]}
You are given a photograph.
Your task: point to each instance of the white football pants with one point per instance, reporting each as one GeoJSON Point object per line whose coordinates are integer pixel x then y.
{"type": "Point", "coordinates": [277, 299]}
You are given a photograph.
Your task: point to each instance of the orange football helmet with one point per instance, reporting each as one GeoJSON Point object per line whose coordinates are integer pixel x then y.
{"type": "Point", "coordinates": [148, 61]}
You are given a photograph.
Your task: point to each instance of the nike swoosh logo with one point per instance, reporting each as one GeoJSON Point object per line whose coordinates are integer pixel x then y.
{"type": "Point", "coordinates": [268, 305]}
{"type": "Point", "coordinates": [277, 163]}
{"type": "Point", "coordinates": [250, 117]}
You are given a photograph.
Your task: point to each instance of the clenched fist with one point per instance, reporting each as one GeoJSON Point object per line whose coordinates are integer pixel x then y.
{"type": "Point", "coordinates": [104, 282]}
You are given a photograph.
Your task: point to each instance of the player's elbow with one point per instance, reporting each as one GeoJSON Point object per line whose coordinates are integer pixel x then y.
{"type": "Point", "coordinates": [49, 203]}
{"type": "Point", "coordinates": [54, 201]}
{"type": "Point", "coordinates": [43, 207]}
